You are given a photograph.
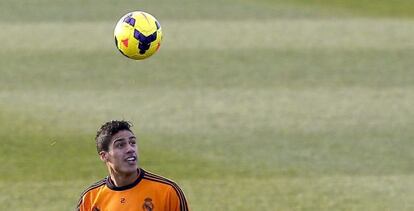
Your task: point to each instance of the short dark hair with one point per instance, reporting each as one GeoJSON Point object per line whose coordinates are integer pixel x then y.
{"type": "Point", "coordinates": [107, 130]}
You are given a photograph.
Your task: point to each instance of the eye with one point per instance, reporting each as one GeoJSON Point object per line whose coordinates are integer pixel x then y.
{"type": "Point", "coordinates": [120, 145]}
{"type": "Point", "coordinates": [132, 142]}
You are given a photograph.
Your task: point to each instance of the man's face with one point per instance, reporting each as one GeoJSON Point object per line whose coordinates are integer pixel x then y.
{"type": "Point", "coordinates": [122, 156]}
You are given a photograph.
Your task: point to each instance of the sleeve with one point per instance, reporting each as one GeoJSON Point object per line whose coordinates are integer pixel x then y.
{"type": "Point", "coordinates": [176, 200]}
{"type": "Point", "coordinates": [83, 204]}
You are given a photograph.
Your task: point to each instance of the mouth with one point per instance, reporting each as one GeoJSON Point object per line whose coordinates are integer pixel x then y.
{"type": "Point", "coordinates": [131, 160]}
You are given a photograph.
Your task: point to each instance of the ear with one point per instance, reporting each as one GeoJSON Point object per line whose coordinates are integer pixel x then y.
{"type": "Point", "coordinates": [104, 156]}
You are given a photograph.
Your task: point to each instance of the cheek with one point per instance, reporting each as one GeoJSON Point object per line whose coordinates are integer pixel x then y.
{"type": "Point", "coordinates": [113, 156]}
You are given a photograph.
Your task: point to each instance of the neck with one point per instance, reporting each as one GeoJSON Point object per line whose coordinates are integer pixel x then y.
{"type": "Point", "coordinates": [123, 179]}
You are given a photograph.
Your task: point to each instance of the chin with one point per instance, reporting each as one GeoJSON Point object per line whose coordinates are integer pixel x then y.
{"type": "Point", "coordinates": [130, 169]}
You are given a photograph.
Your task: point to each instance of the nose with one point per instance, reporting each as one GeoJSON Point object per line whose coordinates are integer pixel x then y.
{"type": "Point", "coordinates": [131, 148]}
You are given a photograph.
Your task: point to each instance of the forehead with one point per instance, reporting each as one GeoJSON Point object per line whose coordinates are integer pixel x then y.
{"type": "Point", "coordinates": [123, 134]}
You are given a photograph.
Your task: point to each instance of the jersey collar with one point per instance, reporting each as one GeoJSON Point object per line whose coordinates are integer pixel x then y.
{"type": "Point", "coordinates": [110, 184]}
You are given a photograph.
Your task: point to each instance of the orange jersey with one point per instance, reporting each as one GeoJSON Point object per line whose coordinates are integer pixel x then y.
{"type": "Point", "coordinates": [149, 192]}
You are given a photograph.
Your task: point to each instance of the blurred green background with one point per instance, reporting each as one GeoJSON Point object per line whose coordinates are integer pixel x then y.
{"type": "Point", "coordinates": [266, 104]}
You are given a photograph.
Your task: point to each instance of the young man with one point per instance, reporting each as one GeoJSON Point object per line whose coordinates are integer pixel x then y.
{"type": "Point", "coordinates": [128, 187]}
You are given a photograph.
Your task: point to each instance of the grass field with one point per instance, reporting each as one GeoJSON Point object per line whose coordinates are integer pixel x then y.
{"type": "Point", "coordinates": [268, 105]}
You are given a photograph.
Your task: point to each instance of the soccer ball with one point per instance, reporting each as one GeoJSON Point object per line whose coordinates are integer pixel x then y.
{"type": "Point", "coordinates": [138, 35]}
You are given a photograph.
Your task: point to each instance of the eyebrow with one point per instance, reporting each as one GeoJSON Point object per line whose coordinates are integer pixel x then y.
{"type": "Point", "coordinates": [123, 139]}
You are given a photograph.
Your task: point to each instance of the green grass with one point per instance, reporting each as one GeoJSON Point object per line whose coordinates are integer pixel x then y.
{"type": "Point", "coordinates": [267, 105]}
{"type": "Point", "coordinates": [381, 8]}
{"type": "Point", "coordinates": [94, 10]}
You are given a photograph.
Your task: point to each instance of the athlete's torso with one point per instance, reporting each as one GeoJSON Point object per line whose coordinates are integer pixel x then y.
{"type": "Point", "coordinates": [148, 193]}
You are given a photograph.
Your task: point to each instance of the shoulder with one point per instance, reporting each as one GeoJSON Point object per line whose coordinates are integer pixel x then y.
{"type": "Point", "coordinates": [160, 179]}
{"type": "Point", "coordinates": [169, 185]}
{"type": "Point", "coordinates": [92, 187]}
{"type": "Point", "coordinates": [95, 185]}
